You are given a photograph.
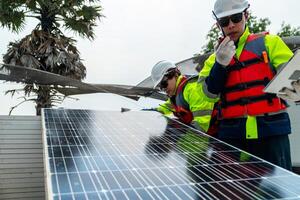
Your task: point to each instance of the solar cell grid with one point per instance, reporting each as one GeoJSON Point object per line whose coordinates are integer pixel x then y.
{"type": "Point", "coordinates": [143, 155]}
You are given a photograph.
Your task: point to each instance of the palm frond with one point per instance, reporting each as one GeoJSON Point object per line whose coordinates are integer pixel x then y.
{"type": "Point", "coordinates": [83, 20]}
{"type": "Point", "coordinates": [46, 47]}
{"type": "Point", "coordinates": [12, 15]}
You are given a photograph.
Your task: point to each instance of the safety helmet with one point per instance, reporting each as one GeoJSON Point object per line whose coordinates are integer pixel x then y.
{"type": "Point", "coordinates": [159, 70]}
{"type": "Point", "coordinates": [225, 8]}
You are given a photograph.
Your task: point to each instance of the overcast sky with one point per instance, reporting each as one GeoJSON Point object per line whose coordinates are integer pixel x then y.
{"type": "Point", "coordinates": [134, 35]}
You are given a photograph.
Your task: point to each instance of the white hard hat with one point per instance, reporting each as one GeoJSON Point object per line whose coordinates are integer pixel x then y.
{"type": "Point", "coordinates": [159, 70]}
{"type": "Point", "coordinates": [225, 8]}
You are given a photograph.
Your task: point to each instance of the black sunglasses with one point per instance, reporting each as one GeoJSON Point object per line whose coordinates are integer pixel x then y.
{"type": "Point", "coordinates": [164, 82]}
{"type": "Point", "coordinates": [236, 18]}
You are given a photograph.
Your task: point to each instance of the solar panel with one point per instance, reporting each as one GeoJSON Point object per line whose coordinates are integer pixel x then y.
{"type": "Point", "coordinates": [143, 155]}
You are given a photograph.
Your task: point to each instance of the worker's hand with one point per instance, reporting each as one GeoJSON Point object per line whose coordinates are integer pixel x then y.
{"type": "Point", "coordinates": [225, 51]}
{"type": "Point", "coordinates": [291, 95]}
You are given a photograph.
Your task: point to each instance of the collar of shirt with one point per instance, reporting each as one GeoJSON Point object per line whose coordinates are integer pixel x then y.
{"type": "Point", "coordinates": [178, 81]}
{"type": "Point", "coordinates": [242, 42]}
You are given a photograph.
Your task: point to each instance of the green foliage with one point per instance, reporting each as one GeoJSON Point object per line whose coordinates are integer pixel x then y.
{"type": "Point", "coordinates": [257, 25]}
{"type": "Point", "coordinates": [287, 30]}
{"type": "Point", "coordinates": [11, 17]}
{"type": "Point", "coordinates": [79, 16]}
{"type": "Point", "coordinates": [213, 34]}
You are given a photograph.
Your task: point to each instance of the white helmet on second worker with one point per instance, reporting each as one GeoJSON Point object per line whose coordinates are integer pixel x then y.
{"type": "Point", "coordinates": [159, 70]}
{"type": "Point", "coordinates": [225, 8]}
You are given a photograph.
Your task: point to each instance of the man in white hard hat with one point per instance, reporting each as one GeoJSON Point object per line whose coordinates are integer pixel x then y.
{"type": "Point", "coordinates": [184, 101]}
{"type": "Point", "coordinates": [235, 75]}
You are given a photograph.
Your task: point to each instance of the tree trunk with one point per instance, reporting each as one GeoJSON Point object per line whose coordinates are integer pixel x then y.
{"type": "Point", "coordinates": [43, 99]}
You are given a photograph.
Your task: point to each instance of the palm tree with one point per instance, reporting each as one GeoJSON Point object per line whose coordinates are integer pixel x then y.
{"type": "Point", "coordinates": [46, 47]}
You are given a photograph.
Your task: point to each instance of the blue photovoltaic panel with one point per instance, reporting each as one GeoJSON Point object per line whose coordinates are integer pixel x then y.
{"type": "Point", "coordinates": [143, 155]}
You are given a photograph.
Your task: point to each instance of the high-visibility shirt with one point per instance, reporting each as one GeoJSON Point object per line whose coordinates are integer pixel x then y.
{"type": "Point", "coordinates": [197, 104]}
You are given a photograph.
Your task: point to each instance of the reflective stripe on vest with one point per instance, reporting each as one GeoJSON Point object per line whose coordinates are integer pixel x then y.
{"type": "Point", "coordinates": [200, 113]}
{"type": "Point", "coordinates": [246, 80]}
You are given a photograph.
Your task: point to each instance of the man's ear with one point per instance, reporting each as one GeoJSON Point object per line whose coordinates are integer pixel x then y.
{"type": "Point", "coordinates": [246, 15]}
{"type": "Point", "coordinates": [177, 71]}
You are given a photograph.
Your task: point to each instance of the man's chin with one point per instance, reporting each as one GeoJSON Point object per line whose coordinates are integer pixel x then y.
{"type": "Point", "coordinates": [234, 36]}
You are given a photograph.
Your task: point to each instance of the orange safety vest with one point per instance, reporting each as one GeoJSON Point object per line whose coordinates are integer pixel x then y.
{"type": "Point", "coordinates": [246, 78]}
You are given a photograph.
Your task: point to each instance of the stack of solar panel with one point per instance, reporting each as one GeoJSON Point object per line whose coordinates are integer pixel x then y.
{"type": "Point", "coordinates": [143, 155]}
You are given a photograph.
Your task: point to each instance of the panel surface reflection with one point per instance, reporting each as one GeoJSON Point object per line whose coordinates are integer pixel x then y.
{"type": "Point", "coordinates": [143, 155]}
